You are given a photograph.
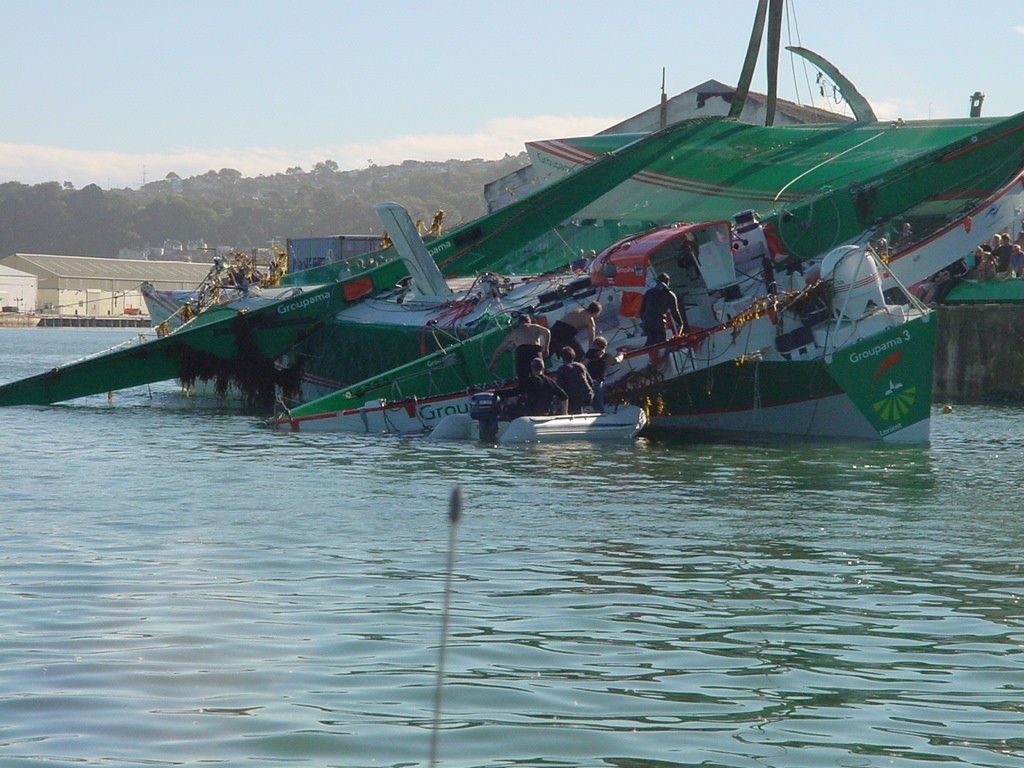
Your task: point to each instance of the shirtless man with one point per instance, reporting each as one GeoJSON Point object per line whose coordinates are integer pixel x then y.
{"type": "Point", "coordinates": [529, 340]}
{"type": "Point", "coordinates": [564, 331]}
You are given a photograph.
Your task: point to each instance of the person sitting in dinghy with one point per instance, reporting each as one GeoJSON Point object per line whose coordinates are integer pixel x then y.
{"type": "Point", "coordinates": [538, 394]}
{"type": "Point", "coordinates": [575, 379]}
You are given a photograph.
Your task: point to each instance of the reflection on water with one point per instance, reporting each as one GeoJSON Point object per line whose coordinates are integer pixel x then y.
{"type": "Point", "coordinates": [181, 587]}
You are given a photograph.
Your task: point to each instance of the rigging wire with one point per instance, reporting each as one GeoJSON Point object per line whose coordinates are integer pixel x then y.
{"type": "Point", "coordinates": [834, 157]}
{"type": "Point", "coordinates": [791, 25]}
{"type": "Point", "coordinates": [793, 29]}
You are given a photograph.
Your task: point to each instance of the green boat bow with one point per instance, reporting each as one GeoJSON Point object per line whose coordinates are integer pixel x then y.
{"type": "Point", "coordinates": [228, 345]}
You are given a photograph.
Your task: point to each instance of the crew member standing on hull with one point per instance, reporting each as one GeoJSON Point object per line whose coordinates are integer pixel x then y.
{"type": "Point", "coordinates": [565, 331]}
{"type": "Point", "coordinates": [659, 302]}
{"type": "Point", "coordinates": [529, 340]}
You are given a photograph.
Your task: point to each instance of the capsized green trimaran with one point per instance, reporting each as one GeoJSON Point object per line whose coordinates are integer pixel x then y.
{"type": "Point", "coordinates": [815, 187]}
{"type": "Point", "coordinates": [233, 343]}
{"type": "Point", "coordinates": [819, 185]}
{"type": "Point", "coordinates": [219, 342]}
{"type": "Point", "coordinates": [826, 357]}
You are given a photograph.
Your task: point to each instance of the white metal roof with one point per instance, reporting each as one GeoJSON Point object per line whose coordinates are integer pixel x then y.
{"type": "Point", "coordinates": [138, 270]}
{"type": "Point", "coordinates": [12, 272]}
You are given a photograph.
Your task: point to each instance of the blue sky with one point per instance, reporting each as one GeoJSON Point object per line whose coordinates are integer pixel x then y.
{"type": "Point", "coordinates": [112, 91]}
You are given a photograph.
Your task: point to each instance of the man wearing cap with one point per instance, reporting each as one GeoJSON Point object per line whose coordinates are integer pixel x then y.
{"type": "Point", "coordinates": [658, 302]}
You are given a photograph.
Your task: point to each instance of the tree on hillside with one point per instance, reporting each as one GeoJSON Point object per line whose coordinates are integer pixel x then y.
{"type": "Point", "coordinates": [226, 208]}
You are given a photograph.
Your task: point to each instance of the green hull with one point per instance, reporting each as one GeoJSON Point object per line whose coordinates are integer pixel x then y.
{"type": "Point", "coordinates": [816, 186]}
{"type": "Point", "coordinates": [458, 366]}
{"type": "Point", "coordinates": [820, 186]}
{"type": "Point", "coordinates": [221, 344]}
{"type": "Point", "coordinates": [879, 388]}
{"type": "Point", "coordinates": [709, 169]}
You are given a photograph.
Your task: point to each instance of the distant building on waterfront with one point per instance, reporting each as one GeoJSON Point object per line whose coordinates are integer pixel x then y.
{"type": "Point", "coordinates": [18, 290]}
{"type": "Point", "coordinates": [310, 252]}
{"type": "Point", "coordinates": [93, 287]}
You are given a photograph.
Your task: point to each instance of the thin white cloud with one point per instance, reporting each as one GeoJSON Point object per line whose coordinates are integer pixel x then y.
{"type": "Point", "coordinates": [33, 164]}
{"type": "Point", "coordinates": [892, 110]}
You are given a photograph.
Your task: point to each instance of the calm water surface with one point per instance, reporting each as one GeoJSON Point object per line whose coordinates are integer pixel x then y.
{"type": "Point", "coordinates": [180, 587]}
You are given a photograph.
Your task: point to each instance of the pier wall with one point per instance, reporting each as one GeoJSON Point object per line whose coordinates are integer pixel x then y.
{"type": "Point", "coordinates": [111, 321]}
{"type": "Point", "coordinates": [25, 320]}
{"type": "Point", "coordinates": [979, 353]}
{"type": "Point", "coordinates": [18, 320]}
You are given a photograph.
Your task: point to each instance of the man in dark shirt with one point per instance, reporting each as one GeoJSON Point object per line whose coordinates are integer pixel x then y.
{"type": "Point", "coordinates": [1002, 249]}
{"type": "Point", "coordinates": [575, 379]}
{"type": "Point", "coordinates": [658, 302]}
{"type": "Point", "coordinates": [537, 392]}
{"type": "Point", "coordinates": [597, 360]}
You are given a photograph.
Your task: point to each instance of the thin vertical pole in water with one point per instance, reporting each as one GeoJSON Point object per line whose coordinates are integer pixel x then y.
{"type": "Point", "coordinates": [454, 513]}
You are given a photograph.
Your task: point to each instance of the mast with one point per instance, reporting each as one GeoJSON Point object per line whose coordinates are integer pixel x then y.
{"type": "Point", "coordinates": [774, 36]}
{"type": "Point", "coordinates": [747, 73]}
{"type": "Point", "coordinates": [772, 11]}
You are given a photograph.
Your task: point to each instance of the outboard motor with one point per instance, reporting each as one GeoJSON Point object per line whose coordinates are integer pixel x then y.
{"type": "Point", "coordinates": [483, 409]}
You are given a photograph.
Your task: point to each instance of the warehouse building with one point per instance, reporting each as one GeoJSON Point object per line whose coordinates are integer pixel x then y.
{"type": "Point", "coordinates": [92, 287]}
{"type": "Point", "coordinates": [17, 290]}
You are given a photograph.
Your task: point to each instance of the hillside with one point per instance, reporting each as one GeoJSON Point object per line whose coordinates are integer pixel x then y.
{"type": "Point", "coordinates": [224, 208]}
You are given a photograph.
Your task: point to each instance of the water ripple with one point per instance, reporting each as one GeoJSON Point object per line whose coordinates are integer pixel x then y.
{"type": "Point", "coordinates": [180, 587]}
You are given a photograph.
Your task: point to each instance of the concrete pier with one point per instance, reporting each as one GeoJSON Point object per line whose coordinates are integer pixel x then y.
{"type": "Point", "coordinates": [979, 353]}
{"type": "Point", "coordinates": [18, 320]}
{"type": "Point", "coordinates": [32, 320]}
{"type": "Point", "coordinates": [75, 321]}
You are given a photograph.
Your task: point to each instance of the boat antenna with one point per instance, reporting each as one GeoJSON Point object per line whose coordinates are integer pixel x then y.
{"type": "Point", "coordinates": [454, 514]}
